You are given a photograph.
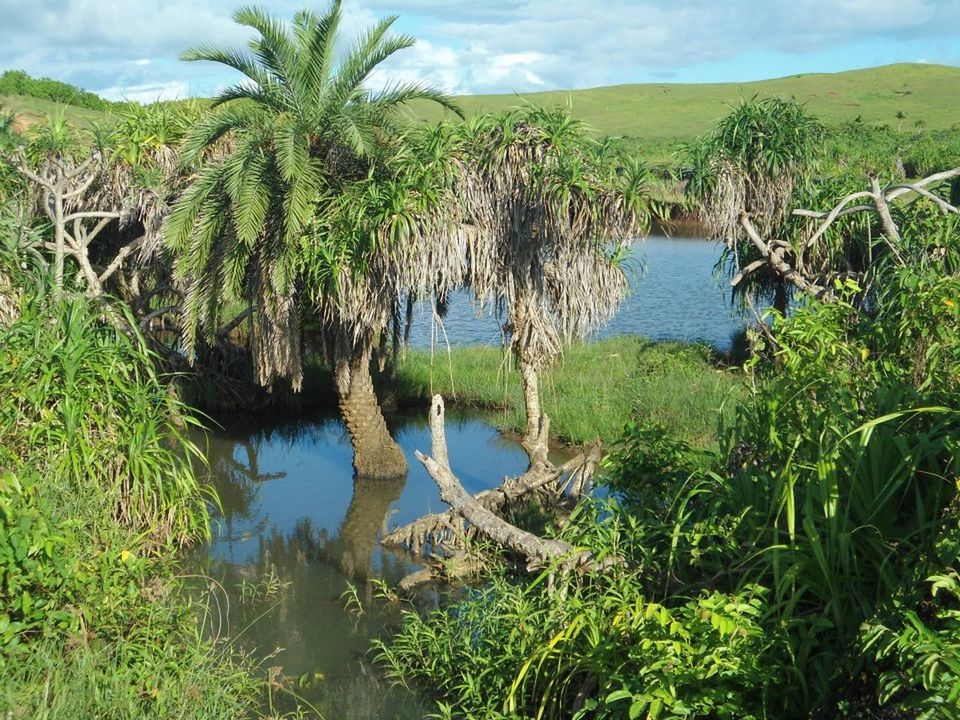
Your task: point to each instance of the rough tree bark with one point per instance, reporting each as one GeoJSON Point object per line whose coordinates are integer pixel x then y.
{"type": "Point", "coordinates": [375, 453]}
{"type": "Point", "coordinates": [536, 437]}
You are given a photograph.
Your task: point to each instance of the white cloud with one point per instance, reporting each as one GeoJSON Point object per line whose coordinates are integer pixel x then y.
{"type": "Point", "coordinates": [149, 92]}
{"type": "Point", "coordinates": [572, 43]}
{"type": "Point", "coordinates": [465, 46]}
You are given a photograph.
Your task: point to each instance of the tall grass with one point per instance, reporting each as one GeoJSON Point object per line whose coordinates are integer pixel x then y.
{"type": "Point", "coordinates": [96, 496]}
{"type": "Point", "coordinates": [85, 406]}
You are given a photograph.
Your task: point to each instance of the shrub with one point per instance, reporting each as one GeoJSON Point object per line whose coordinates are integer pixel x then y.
{"type": "Point", "coordinates": [17, 82]}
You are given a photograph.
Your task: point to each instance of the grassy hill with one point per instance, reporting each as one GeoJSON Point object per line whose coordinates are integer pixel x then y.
{"type": "Point", "coordinates": [31, 110]}
{"type": "Point", "coordinates": [670, 111]}
{"type": "Point", "coordinates": [666, 111]}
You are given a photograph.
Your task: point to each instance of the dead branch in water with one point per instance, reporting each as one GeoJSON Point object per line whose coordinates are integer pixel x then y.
{"type": "Point", "coordinates": [447, 530]}
{"type": "Point", "coordinates": [538, 551]}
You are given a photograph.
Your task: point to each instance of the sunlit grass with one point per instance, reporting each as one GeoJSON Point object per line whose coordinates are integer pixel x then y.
{"type": "Point", "coordinates": [592, 391]}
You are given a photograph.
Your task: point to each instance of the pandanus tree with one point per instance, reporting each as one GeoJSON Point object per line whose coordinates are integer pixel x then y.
{"type": "Point", "coordinates": [548, 218]}
{"type": "Point", "coordinates": [104, 206]}
{"type": "Point", "coordinates": [753, 163]}
{"type": "Point", "coordinates": [301, 126]}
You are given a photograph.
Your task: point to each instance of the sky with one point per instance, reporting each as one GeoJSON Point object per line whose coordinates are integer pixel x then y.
{"type": "Point", "coordinates": [130, 48]}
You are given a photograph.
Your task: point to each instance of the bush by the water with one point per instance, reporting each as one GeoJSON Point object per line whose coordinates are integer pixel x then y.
{"type": "Point", "coordinates": [96, 495]}
{"type": "Point", "coordinates": [806, 568]}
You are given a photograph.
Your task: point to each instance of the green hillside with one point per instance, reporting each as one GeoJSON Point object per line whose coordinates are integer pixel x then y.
{"type": "Point", "coordinates": [665, 111]}
{"type": "Point", "coordinates": [930, 93]}
{"type": "Point", "coordinates": [31, 110]}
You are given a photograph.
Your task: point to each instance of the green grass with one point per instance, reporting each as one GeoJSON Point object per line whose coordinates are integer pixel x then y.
{"type": "Point", "coordinates": [32, 110]}
{"type": "Point", "coordinates": [664, 111]}
{"type": "Point", "coordinates": [660, 112]}
{"type": "Point", "coordinates": [592, 391]}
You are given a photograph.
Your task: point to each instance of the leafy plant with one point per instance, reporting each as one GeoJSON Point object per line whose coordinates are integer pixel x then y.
{"type": "Point", "coordinates": [919, 656]}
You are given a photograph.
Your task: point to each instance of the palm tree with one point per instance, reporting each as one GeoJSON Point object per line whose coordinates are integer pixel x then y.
{"type": "Point", "coordinates": [548, 218]}
{"type": "Point", "coordinates": [380, 237]}
{"type": "Point", "coordinates": [296, 129]}
{"type": "Point", "coordinates": [753, 162]}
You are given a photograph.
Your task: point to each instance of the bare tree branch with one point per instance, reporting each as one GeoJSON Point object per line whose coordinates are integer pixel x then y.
{"type": "Point", "coordinates": [774, 258]}
{"type": "Point", "coordinates": [538, 551]}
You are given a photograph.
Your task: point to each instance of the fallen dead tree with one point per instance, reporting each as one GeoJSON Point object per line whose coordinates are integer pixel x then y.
{"type": "Point", "coordinates": [478, 516]}
{"type": "Point", "coordinates": [449, 532]}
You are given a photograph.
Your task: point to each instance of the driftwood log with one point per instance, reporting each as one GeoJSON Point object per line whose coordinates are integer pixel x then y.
{"type": "Point", "coordinates": [478, 512]}
{"type": "Point", "coordinates": [450, 532]}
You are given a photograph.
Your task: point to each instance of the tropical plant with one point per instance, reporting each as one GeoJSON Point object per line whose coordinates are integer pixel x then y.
{"type": "Point", "coordinates": [547, 216]}
{"type": "Point", "coordinates": [919, 656]}
{"type": "Point", "coordinates": [562, 645]}
{"type": "Point", "coordinates": [753, 163]}
{"type": "Point", "coordinates": [91, 410]}
{"type": "Point", "coordinates": [97, 493]}
{"type": "Point", "coordinates": [297, 128]}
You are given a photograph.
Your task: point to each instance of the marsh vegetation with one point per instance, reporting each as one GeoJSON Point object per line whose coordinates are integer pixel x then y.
{"type": "Point", "coordinates": [609, 527]}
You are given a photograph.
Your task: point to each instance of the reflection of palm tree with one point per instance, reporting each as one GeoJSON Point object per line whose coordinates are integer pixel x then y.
{"type": "Point", "coordinates": [236, 483]}
{"type": "Point", "coordinates": [352, 550]}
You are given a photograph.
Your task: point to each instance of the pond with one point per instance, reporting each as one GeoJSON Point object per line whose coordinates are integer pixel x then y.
{"type": "Point", "coordinates": [297, 529]}
{"type": "Point", "coordinates": [674, 295]}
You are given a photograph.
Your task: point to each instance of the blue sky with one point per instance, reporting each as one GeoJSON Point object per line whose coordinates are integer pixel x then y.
{"type": "Point", "coordinates": [129, 48]}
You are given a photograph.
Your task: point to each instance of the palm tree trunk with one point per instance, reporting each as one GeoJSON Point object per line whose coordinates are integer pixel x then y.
{"type": "Point", "coordinates": [375, 453]}
{"type": "Point", "coordinates": [535, 438]}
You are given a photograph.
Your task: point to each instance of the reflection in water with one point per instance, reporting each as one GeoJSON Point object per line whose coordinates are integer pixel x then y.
{"type": "Point", "coordinates": [352, 549]}
{"type": "Point", "coordinates": [296, 526]}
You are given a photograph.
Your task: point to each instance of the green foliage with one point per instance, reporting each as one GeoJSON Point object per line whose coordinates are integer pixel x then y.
{"type": "Point", "coordinates": [142, 132]}
{"type": "Point", "coordinates": [754, 161]}
{"type": "Point", "coordinates": [919, 656]}
{"type": "Point", "coordinates": [833, 495]}
{"type": "Point", "coordinates": [94, 623]}
{"type": "Point", "coordinates": [860, 149]}
{"type": "Point", "coordinates": [765, 137]}
{"type": "Point", "coordinates": [300, 122]}
{"type": "Point", "coordinates": [594, 646]}
{"type": "Point", "coordinates": [17, 82]}
{"type": "Point", "coordinates": [33, 565]}
{"type": "Point", "coordinates": [89, 409]}
{"type": "Point", "coordinates": [96, 495]}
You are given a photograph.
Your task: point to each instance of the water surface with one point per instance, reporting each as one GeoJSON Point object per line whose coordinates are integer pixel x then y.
{"type": "Point", "coordinates": [294, 516]}
{"type": "Point", "coordinates": [297, 528]}
{"type": "Point", "coordinates": [674, 295]}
